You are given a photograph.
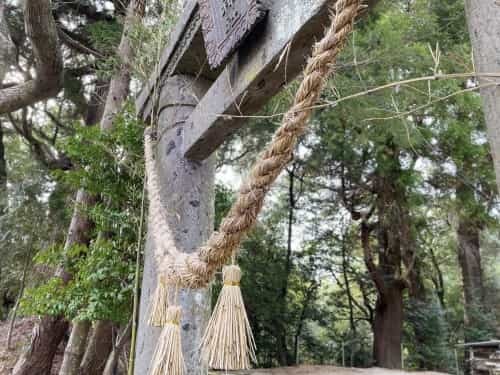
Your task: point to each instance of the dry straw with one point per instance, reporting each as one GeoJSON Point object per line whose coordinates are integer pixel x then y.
{"type": "Point", "coordinates": [228, 343]}
{"type": "Point", "coordinates": [168, 358]}
{"type": "Point", "coordinates": [158, 306]}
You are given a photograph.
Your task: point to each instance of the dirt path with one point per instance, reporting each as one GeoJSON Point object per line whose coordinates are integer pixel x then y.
{"type": "Point", "coordinates": [327, 370]}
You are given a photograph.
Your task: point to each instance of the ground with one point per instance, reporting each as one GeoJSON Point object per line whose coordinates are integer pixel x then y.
{"type": "Point", "coordinates": [22, 333]}
{"type": "Point", "coordinates": [327, 370]}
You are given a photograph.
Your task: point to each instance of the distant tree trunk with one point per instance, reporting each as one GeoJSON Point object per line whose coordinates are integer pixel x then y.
{"type": "Point", "coordinates": [3, 174]}
{"type": "Point", "coordinates": [75, 348]}
{"type": "Point", "coordinates": [284, 357]}
{"type": "Point", "coordinates": [388, 326]}
{"type": "Point", "coordinates": [99, 347]}
{"type": "Point", "coordinates": [27, 263]}
{"type": "Point", "coordinates": [392, 233]}
{"type": "Point", "coordinates": [484, 30]}
{"type": "Point", "coordinates": [469, 258]}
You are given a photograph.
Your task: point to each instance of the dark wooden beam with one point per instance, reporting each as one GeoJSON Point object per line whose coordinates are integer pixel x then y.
{"type": "Point", "coordinates": [274, 56]}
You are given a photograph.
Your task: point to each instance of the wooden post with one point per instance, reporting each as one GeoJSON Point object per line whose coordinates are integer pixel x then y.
{"type": "Point", "coordinates": [188, 194]}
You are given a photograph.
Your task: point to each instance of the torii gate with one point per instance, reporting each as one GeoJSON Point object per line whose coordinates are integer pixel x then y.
{"type": "Point", "coordinates": [197, 102]}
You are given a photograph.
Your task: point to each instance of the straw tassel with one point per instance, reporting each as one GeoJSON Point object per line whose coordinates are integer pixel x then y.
{"type": "Point", "coordinates": [168, 358]}
{"type": "Point", "coordinates": [228, 343]}
{"type": "Point", "coordinates": [159, 305]}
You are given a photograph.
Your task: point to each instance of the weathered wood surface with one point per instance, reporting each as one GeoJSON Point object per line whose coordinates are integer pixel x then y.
{"type": "Point", "coordinates": [260, 69]}
{"type": "Point", "coordinates": [187, 191]}
{"type": "Point", "coordinates": [269, 59]}
{"type": "Point", "coordinates": [273, 57]}
{"type": "Point", "coordinates": [226, 24]}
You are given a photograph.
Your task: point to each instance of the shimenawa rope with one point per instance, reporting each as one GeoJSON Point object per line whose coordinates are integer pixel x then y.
{"type": "Point", "coordinates": [196, 270]}
{"type": "Point", "coordinates": [228, 342]}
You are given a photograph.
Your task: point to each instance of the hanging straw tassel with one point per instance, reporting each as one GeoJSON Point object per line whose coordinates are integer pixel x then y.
{"type": "Point", "coordinates": [168, 359]}
{"type": "Point", "coordinates": [228, 343]}
{"type": "Point", "coordinates": [158, 306]}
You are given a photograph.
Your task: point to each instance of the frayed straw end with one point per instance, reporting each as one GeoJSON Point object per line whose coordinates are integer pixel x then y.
{"type": "Point", "coordinates": [168, 358]}
{"type": "Point", "coordinates": [228, 343]}
{"type": "Point", "coordinates": [158, 306]}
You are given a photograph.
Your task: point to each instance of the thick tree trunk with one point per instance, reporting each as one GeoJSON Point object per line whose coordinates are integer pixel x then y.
{"type": "Point", "coordinates": [388, 326]}
{"type": "Point", "coordinates": [188, 193]}
{"type": "Point", "coordinates": [469, 258]}
{"type": "Point", "coordinates": [393, 246]}
{"type": "Point", "coordinates": [75, 348]}
{"type": "Point", "coordinates": [484, 28]}
{"type": "Point", "coordinates": [99, 346]}
{"type": "Point", "coordinates": [46, 337]}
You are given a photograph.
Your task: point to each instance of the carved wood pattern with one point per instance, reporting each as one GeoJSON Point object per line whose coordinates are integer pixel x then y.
{"type": "Point", "coordinates": [226, 24]}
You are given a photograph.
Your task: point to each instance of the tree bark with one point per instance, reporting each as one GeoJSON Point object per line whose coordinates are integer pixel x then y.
{"type": "Point", "coordinates": [388, 326]}
{"type": "Point", "coordinates": [99, 346]}
{"type": "Point", "coordinates": [79, 230]}
{"type": "Point", "coordinates": [469, 258]}
{"type": "Point", "coordinates": [42, 31]}
{"type": "Point", "coordinates": [121, 342]}
{"type": "Point", "coordinates": [27, 263]}
{"type": "Point", "coordinates": [75, 348]}
{"type": "Point", "coordinates": [49, 331]}
{"type": "Point", "coordinates": [119, 87]}
{"type": "Point", "coordinates": [46, 337]}
{"type": "Point", "coordinates": [392, 233]}
{"type": "Point", "coordinates": [7, 48]}
{"type": "Point", "coordinates": [188, 193]}
{"type": "Point", "coordinates": [484, 30]}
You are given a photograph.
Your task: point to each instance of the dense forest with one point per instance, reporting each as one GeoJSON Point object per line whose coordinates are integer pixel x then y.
{"type": "Point", "coordinates": [379, 246]}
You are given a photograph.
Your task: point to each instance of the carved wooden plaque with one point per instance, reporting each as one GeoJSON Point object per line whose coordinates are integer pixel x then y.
{"type": "Point", "coordinates": [226, 23]}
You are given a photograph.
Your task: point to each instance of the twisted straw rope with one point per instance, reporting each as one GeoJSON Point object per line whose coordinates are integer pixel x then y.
{"type": "Point", "coordinates": [195, 270]}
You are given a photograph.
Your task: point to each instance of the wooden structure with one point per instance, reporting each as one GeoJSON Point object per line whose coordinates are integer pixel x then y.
{"type": "Point", "coordinates": [484, 357]}
{"type": "Point", "coordinates": [196, 108]}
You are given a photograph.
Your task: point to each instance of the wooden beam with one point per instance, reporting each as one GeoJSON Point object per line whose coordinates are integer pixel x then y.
{"type": "Point", "coordinates": [274, 56]}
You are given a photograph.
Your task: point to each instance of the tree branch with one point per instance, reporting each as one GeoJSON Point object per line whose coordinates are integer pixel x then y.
{"type": "Point", "coordinates": [41, 30]}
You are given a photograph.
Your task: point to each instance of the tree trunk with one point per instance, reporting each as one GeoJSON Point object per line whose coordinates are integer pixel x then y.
{"type": "Point", "coordinates": [99, 346]}
{"type": "Point", "coordinates": [388, 326]}
{"type": "Point", "coordinates": [469, 258]}
{"type": "Point", "coordinates": [79, 230]}
{"type": "Point", "coordinates": [75, 348]}
{"type": "Point", "coordinates": [7, 48]}
{"type": "Point", "coordinates": [42, 31]}
{"type": "Point", "coordinates": [484, 29]}
{"type": "Point", "coordinates": [49, 331]}
{"type": "Point", "coordinates": [188, 193]}
{"type": "Point", "coordinates": [3, 173]}
{"type": "Point", "coordinates": [121, 342]}
{"type": "Point", "coordinates": [46, 337]}
{"type": "Point", "coordinates": [27, 263]}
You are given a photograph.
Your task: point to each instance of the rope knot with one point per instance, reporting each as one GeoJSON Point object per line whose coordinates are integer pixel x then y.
{"type": "Point", "coordinates": [231, 275]}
